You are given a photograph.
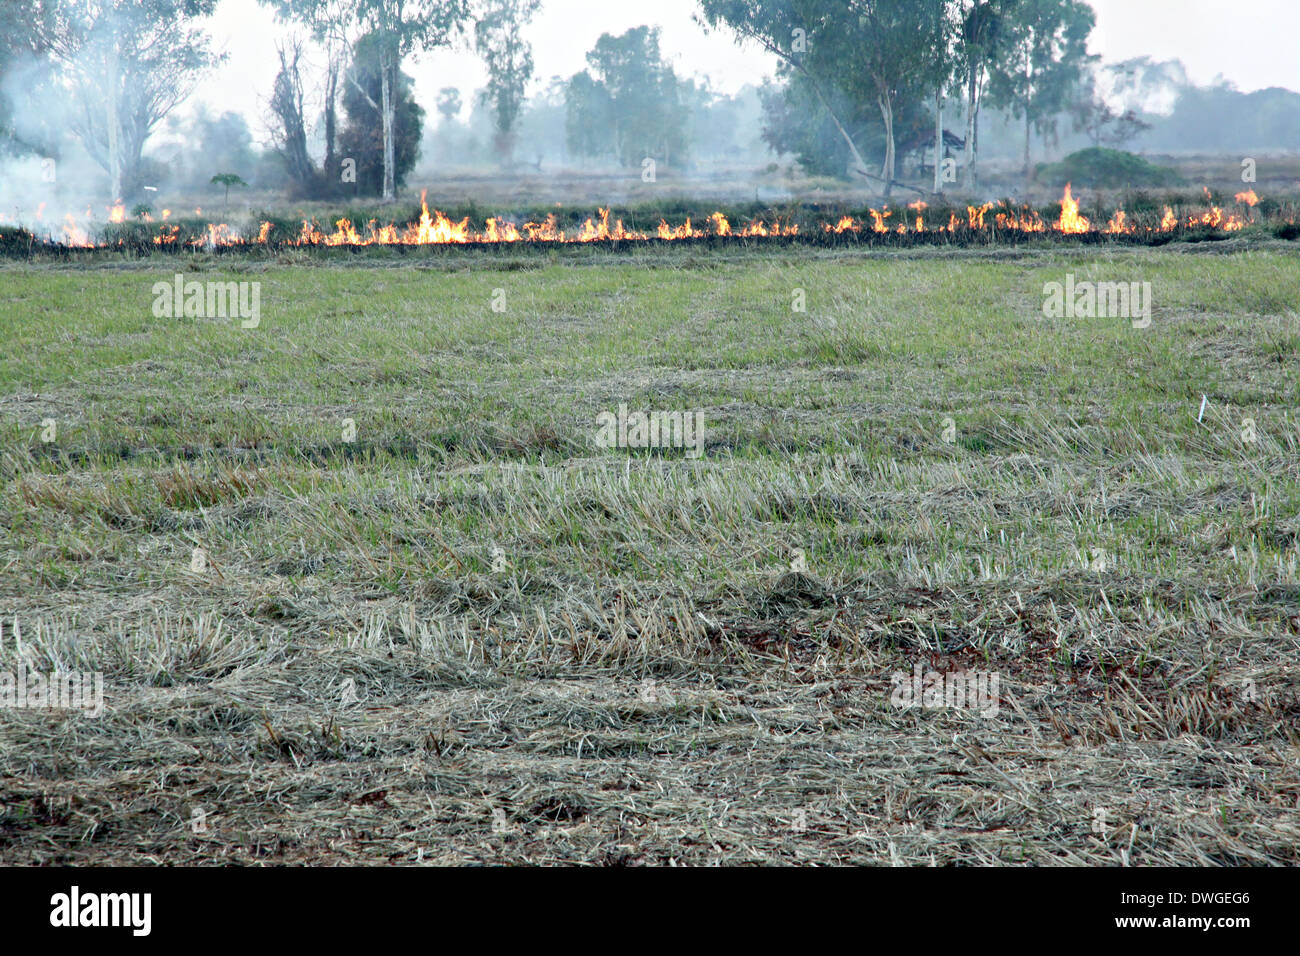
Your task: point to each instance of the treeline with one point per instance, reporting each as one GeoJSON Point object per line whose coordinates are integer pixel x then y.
{"type": "Point", "coordinates": [863, 88]}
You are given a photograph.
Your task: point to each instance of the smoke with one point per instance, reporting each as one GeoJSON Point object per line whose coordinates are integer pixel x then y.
{"type": "Point", "coordinates": [80, 118]}
{"type": "Point", "coordinates": [45, 174]}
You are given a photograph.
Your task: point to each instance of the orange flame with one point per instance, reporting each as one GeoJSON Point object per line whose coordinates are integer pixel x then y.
{"type": "Point", "coordinates": [1071, 221]}
{"type": "Point", "coordinates": [919, 207]}
{"type": "Point", "coordinates": [435, 228]}
{"type": "Point", "coordinates": [73, 235]}
{"type": "Point", "coordinates": [1118, 223]}
{"type": "Point", "coordinates": [975, 217]}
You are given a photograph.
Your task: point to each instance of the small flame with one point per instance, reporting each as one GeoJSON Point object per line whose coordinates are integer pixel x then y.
{"type": "Point", "coordinates": [1118, 224]}
{"type": "Point", "coordinates": [73, 235]}
{"type": "Point", "coordinates": [975, 217]}
{"type": "Point", "coordinates": [501, 232]}
{"type": "Point", "coordinates": [1071, 221]}
{"type": "Point", "coordinates": [919, 207]}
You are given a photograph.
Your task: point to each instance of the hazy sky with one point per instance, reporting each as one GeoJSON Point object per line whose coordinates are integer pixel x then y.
{"type": "Point", "coordinates": [1251, 42]}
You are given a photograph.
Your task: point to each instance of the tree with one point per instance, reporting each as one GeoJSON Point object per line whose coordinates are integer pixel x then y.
{"type": "Point", "coordinates": [790, 31]}
{"type": "Point", "coordinates": [399, 28]}
{"type": "Point", "coordinates": [1103, 126]}
{"type": "Point", "coordinates": [227, 180]}
{"type": "Point", "coordinates": [941, 70]}
{"type": "Point", "coordinates": [871, 51]}
{"type": "Point", "coordinates": [900, 43]}
{"type": "Point", "coordinates": [449, 104]}
{"type": "Point", "coordinates": [364, 137]}
{"type": "Point", "coordinates": [329, 22]}
{"type": "Point", "coordinates": [796, 122]}
{"type": "Point", "coordinates": [589, 116]}
{"type": "Point", "coordinates": [289, 126]}
{"type": "Point", "coordinates": [979, 43]}
{"type": "Point", "coordinates": [629, 102]}
{"type": "Point", "coordinates": [127, 64]}
{"type": "Point", "coordinates": [543, 123]}
{"type": "Point", "coordinates": [714, 118]}
{"type": "Point", "coordinates": [207, 141]}
{"type": "Point", "coordinates": [509, 59]}
{"type": "Point", "coordinates": [1044, 57]}
{"type": "Point", "coordinates": [1092, 109]}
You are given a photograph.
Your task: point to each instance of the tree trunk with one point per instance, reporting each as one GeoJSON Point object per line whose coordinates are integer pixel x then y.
{"type": "Point", "coordinates": [1027, 123]}
{"type": "Point", "coordinates": [290, 133]}
{"type": "Point", "coordinates": [389, 111]}
{"type": "Point", "coordinates": [1029, 101]}
{"type": "Point", "coordinates": [114, 129]}
{"type": "Point", "coordinates": [968, 175]}
{"type": "Point", "coordinates": [887, 169]}
{"type": "Point", "coordinates": [938, 143]}
{"type": "Point", "coordinates": [331, 124]}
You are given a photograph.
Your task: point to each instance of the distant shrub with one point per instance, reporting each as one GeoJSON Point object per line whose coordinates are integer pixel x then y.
{"type": "Point", "coordinates": [1097, 168]}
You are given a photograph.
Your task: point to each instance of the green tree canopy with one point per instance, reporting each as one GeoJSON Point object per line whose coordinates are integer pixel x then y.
{"type": "Point", "coordinates": [362, 137]}
{"type": "Point", "coordinates": [850, 55]}
{"type": "Point", "coordinates": [1043, 63]}
{"type": "Point", "coordinates": [629, 103]}
{"type": "Point", "coordinates": [499, 40]}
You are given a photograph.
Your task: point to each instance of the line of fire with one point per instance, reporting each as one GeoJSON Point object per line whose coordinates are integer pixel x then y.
{"type": "Point", "coordinates": [435, 228]}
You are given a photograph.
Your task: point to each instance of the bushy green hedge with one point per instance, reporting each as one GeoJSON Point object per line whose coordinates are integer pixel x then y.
{"type": "Point", "coordinates": [1097, 168]}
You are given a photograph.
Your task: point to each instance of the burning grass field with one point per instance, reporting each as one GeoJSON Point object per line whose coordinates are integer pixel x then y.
{"type": "Point", "coordinates": [1133, 218]}
{"type": "Point", "coordinates": [363, 588]}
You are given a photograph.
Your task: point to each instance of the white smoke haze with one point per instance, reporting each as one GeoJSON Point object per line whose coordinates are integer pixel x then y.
{"type": "Point", "coordinates": [59, 179]}
{"type": "Point", "coordinates": [86, 109]}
